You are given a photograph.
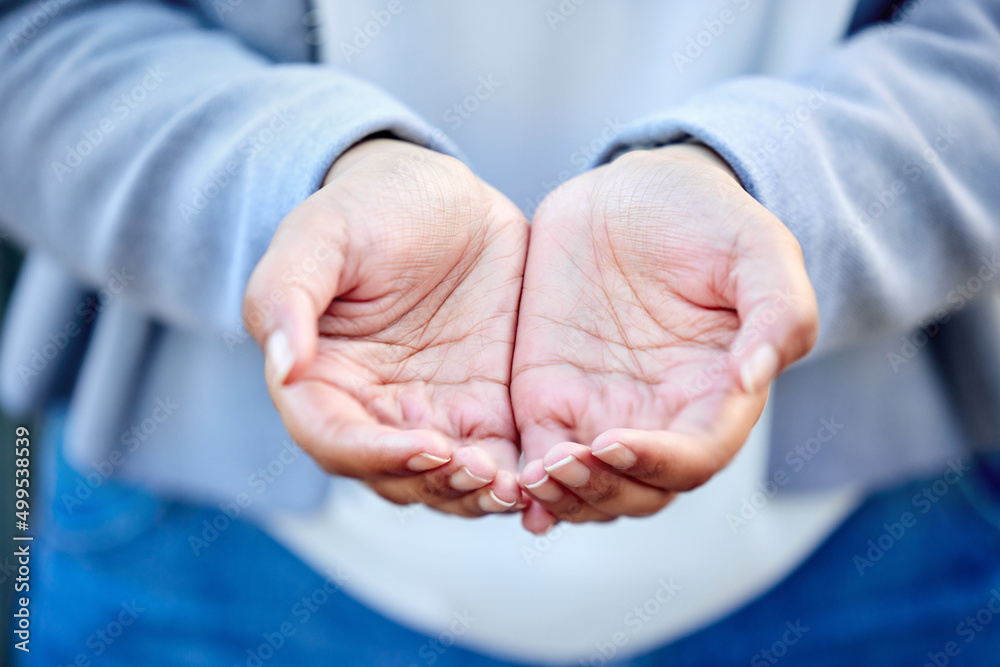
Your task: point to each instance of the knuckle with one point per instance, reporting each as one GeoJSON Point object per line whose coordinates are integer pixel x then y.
{"type": "Point", "coordinates": [650, 507]}
{"type": "Point", "coordinates": [603, 487]}
{"type": "Point", "coordinates": [392, 495]}
{"type": "Point", "coordinates": [573, 511]}
{"type": "Point", "coordinates": [698, 477]}
{"type": "Point", "coordinates": [650, 468]}
{"type": "Point", "coordinates": [333, 468]}
{"type": "Point", "coordinates": [424, 490]}
{"type": "Point", "coordinates": [805, 328]}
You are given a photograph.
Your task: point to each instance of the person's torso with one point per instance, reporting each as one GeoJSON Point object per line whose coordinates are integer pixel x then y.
{"type": "Point", "coordinates": [532, 93]}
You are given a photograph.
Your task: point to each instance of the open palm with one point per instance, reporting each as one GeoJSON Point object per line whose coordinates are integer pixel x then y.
{"type": "Point", "coordinates": [402, 336]}
{"type": "Point", "coordinates": [647, 287]}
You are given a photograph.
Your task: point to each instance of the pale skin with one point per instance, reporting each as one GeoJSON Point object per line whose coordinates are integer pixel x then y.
{"type": "Point", "coordinates": [390, 360]}
{"type": "Point", "coordinates": [652, 307]}
{"type": "Point", "coordinates": [659, 301]}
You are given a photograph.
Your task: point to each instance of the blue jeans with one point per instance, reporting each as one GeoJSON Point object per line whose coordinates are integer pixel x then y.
{"type": "Point", "coordinates": [911, 578]}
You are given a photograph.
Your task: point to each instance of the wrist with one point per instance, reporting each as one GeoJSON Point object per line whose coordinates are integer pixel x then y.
{"type": "Point", "coordinates": [695, 151]}
{"type": "Point", "coordinates": [373, 145]}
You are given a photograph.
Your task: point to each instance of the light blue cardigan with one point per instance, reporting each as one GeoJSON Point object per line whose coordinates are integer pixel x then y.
{"type": "Point", "coordinates": [149, 149]}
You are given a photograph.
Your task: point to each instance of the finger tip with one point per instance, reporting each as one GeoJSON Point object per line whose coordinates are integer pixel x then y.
{"type": "Point", "coordinates": [479, 463]}
{"type": "Point", "coordinates": [546, 490]}
{"type": "Point", "coordinates": [423, 462]}
{"type": "Point", "coordinates": [506, 487]}
{"type": "Point", "coordinates": [759, 368]}
{"type": "Point", "coordinates": [464, 480]}
{"type": "Point", "coordinates": [537, 520]}
{"type": "Point", "coordinates": [560, 452]}
{"type": "Point", "coordinates": [279, 358]}
{"type": "Point", "coordinates": [532, 475]}
{"type": "Point", "coordinates": [491, 503]}
{"type": "Point", "coordinates": [610, 437]}
{"type": "Point", "coordinates": [617, 455]}
{"type": "Point", "coordinates": [427, 442]}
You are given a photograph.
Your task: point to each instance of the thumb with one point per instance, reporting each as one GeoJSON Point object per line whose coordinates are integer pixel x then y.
{"type": "Point", "coordinates": [774, 299]}
{"type": "Point", "coordinates": [291, 287]}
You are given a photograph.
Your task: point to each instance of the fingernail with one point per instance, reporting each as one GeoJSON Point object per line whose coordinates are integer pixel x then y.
{"type": "Point", "coordinates": [537, 484]}
{"type": "Point", "coordinates": [424, 461]}
{"type": "Point", "coordinates": [569, 471]}
{"type": "Point", "coordinates": [617, 456]}
{"type": "Point", "coordinates": [759, 369]}
{"type": "Point", "coordinates": [488, 502]}
{"type": "Point", "coordinates": [545, 492]}
{"type": "Point", "coordinates": [463, 480]}
{"type": "Point", "coordinates": [279, 355]}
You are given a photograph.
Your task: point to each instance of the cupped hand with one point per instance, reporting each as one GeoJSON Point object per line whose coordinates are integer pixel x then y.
{"type": "Point", "coordinates": [386, 305]}
{"type": "Point", "coordinates": [658, 296]}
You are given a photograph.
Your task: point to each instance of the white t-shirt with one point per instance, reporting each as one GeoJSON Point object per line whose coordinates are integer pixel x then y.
{"type": "Point", "coordinates": [530, 91]}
